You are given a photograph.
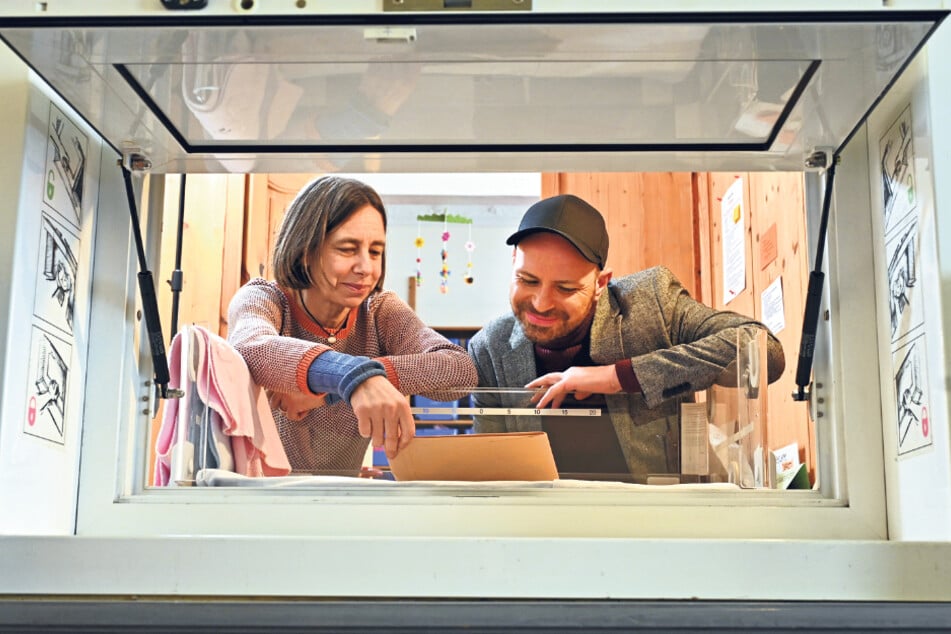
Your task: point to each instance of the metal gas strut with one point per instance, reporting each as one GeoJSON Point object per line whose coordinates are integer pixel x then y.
{"type": "Point", "coordinates": [176, 282]}
{"type": "Point", "coordinates": [810, 320]}
{"type": "Point", "coordinates": [153, 322]}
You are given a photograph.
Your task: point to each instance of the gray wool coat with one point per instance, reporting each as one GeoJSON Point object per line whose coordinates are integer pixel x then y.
{"type": "Point", "coordinates": [677, 346]}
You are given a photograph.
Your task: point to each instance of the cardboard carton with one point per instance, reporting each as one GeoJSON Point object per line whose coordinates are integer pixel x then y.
{"type": "Point", "coordinates": [477, 457]}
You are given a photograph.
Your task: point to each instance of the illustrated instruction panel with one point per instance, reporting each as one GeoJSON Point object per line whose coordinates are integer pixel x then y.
{"type": "Point", "coordinates": [52, 333]}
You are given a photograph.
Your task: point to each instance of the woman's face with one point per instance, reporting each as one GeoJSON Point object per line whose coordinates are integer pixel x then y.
{"type": "Point", "coordinates": [350, 260]}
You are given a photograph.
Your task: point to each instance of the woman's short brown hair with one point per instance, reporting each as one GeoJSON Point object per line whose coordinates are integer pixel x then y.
{"type": "Point", "coordinates": [320, 207]}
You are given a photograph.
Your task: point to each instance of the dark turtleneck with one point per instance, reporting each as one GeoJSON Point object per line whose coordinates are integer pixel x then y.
{"type": "Point", "coordinates": [574, 349]}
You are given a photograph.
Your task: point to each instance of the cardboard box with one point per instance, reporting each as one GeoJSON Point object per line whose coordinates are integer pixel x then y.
{"type": "Point", "coordinates": [477, 458]}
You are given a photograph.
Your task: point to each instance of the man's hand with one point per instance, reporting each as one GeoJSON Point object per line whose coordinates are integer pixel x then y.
{"type": "Point", "coordinates": [295, 406]}
{"type": "Point", "coordinates": [383, 415]}
{"type": "Point", "coordinates": [581, 380]}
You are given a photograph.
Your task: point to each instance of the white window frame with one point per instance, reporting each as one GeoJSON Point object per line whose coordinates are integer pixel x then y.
{"type": "Point", "coordinates": [850, 504]}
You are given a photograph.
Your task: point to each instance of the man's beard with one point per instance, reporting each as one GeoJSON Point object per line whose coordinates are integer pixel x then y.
{"type": "Point", "coordinates": [548, 336]}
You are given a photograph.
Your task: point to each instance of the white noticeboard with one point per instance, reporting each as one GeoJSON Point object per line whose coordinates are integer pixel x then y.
{"type": "Point", "coordinates": [733, 227]}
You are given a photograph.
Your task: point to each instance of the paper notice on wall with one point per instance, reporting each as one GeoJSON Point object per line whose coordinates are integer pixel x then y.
{"type": "Point", "coordinates": [733, 227]}
{"type": "Point", "coordinates": [774, 313]}
{"type": "Point", "coordinates": [788, 472]}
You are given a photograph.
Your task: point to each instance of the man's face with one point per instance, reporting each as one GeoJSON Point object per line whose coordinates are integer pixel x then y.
{"type": "Point", "coordinates": [553, 286]}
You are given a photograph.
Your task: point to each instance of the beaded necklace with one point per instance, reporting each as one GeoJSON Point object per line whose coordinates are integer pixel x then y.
{"type": "Point", "coordinates": [330, 332]}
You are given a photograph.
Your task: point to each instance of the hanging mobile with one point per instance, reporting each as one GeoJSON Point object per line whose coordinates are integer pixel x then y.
{"type": "Point", "coordinates": [470, 247]}
{"type": "Point", "coordinates": [445, 218]}
{"type": "Point", "coordinates": [419, 254]}
{"type": "Point", "coordinates": [444, 271]}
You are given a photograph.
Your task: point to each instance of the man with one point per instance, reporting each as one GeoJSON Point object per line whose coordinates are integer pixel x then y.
{"type": "Point", "coordinates": [641, 339]}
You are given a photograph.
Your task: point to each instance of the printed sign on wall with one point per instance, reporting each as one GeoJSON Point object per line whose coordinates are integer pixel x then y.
{"type": "Point", "coordinates": [733, 228]}
{"type": "Point", "coordinates": [56, 275]}
{"type": "Point", "coordinates": [901, 223]}
{"type": "Point", "coordinates": [52, 339]}
{"type": "Point", "coordinates": [66, 152]}
{"type": "Point", "coordinates": [911, 385]}
{"type": "Point", "coordinates": [48, 376]}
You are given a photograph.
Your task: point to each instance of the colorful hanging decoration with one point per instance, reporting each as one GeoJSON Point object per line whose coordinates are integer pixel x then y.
{"type": "Point", "coordinates": [419, 255]}
{"type": "Point", "coordinates": [444, 272]}
{"type": "Point", "coordinates": [470, 247]}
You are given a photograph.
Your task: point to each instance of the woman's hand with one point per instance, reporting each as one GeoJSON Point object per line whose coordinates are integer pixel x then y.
{"type": "Point", "coordinates": [296, 405]}
{"type": "Point", "coordinates": [582, 380]}
{"type": "Point", "coordinates": [383, 414]}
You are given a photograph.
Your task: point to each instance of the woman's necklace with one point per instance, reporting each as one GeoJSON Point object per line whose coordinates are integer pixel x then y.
{"type": "Point", "coordinates": [330, 332]}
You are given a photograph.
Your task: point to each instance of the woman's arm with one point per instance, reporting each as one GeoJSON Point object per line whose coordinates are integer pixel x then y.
{"type": "Point", "coordinates": [255, 318]}
{"type": "Point", "coordinates": [421, 359]}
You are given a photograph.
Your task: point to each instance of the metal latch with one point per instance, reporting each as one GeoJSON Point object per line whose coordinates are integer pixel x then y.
{"type": "Point", "coordinates": [457, 5]}
{"type": "Point", "coordinates": [184, 5]}
{"type": "Point", "coordinates": [135, 162]}
{"type": "Point", "coordinates": [818, 159]}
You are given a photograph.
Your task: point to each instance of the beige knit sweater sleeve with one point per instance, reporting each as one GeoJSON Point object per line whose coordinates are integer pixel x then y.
{"type": "Point", "coordinates": [279, 350]}
{"type": "Point", "coordinates": [257, 316]}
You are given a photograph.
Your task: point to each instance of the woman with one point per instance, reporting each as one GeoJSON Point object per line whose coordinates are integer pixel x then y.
{"type": "Point", "coordinates": [335, 351]}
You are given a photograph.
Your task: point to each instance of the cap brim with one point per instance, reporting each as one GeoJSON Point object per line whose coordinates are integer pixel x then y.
{"type": "Point", "coordinates": [518, 235]}
{"type": "Point", "coordinates": [587, 254]}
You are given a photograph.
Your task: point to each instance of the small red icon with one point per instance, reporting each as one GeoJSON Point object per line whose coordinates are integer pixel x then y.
{"type": "Point", "coordinates": [924, 422]}
{"type": "Point", "coordinates": [31, 413]}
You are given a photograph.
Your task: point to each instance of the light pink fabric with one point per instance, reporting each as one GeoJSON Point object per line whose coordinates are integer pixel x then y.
{"type": "Point", "coordinates": [166, 435]}
{"type": "Point", "coordinates": [226, 386]}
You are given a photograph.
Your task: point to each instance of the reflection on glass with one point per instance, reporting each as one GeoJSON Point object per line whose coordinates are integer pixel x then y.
{"type": "Point", "coordinates": [247, 101]}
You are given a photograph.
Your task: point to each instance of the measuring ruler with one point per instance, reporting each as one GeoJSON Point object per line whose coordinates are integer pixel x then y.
{"type": "Point", "coordinates": [506, 411]}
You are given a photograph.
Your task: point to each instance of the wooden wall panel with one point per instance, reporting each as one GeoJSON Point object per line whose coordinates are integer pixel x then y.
{"type": "Point", "coordinates": [700, 191]}
{"type": "Point", "coordinates": [231, 261]}
{"type": "Point", "coordinates": [650, 218]}
{"type": "Point", "coordinates": [675, 219]}
{"type": "Point", "coordinates": [744, 302]}
{"type": "Point", "coordinates": [774, 210]}
{"type": "Point", "coordinates": [255, 256]}
{"type": "Point", "coordinates": [211, 239]}
{"type": "Point", "coordinates": [282, 189]}
{"type": "Point", "coordinates": [780, 229]}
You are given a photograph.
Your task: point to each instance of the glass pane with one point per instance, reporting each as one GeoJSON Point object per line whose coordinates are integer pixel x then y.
{"type": "Point", "coordinates": [495, 103]}
{"type": "Point", "coordinates": [602, 92]}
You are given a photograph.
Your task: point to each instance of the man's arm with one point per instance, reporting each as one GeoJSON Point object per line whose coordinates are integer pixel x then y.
{"type": "Point", "coordinates": [695, 346]}
{"type": "Point", "coordinates": [579, 381]}
{"type": "Point", "coordinates": [703, 344]}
